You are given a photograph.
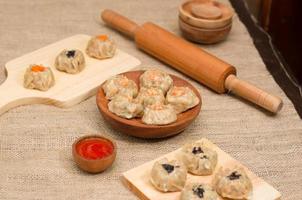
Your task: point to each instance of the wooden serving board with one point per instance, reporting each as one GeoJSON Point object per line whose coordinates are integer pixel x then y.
{"type": "Point", "coordinates": [137, 180]}
{"type": "Point", "coordinates": [69, 89]}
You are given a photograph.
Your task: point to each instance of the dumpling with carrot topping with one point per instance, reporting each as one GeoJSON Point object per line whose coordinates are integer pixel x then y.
{"type": "Point", "coordinates": [70, 61]}
{"type": "Point", "coordinates": [181, 98]}
{"type": "Point", "coordinates": [233, 183]}
{"type": "Point", "coordinates": [168, 175]}
{"type": "Point", "coordinates": [38, 77]}
{"type": "Point", "coordinates": [120, 84]}
{"type": "Point", "coordinates": [149, 96]}
{"type": "Point", "coordinates": [101, 47]}
{"type": "Point", "coordinates": [125, 106]}
{"type": "Point", "coordinates": [159, 114]}
{"type": "Point", "coordinates": [155, 78]}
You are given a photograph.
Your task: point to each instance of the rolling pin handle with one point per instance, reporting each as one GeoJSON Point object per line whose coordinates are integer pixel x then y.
{"type": "Point", "coordinates": [253, 94]}
{"type": "Point", "coordinates": [119, 22]}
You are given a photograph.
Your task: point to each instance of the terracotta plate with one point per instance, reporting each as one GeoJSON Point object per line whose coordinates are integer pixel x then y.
{"type": "Point", "coordinates": [136, 127]}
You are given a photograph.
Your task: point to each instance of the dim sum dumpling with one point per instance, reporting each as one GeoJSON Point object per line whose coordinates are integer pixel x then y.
{"type": "Point", "coordinates": [70, 61]}
{"type": "Point", "coordinates": [181, 98]}
{"type": "Point", "coordinates": [159, 114]}
{"type": "Point", "coordinates": [38, 77]}
{"type": "Point", "coordinates": [149, 96]}
{"type": "Point", "coordinates": [199, 160]}
{"type": "Point", "coordinates": [197, 191]}
{"type": "Point", "coordinates": [101, 47]}
{"type": "Point", "coordinates": [233, 183]}
{"type": "Point", "coordinates": [168, 176]}
{"type": "Point", "coordinates": [156, 78]}
{"type": "Point", "coordinates": [125, 106]}
{"type": "Point", "coordinates": [120, 84]}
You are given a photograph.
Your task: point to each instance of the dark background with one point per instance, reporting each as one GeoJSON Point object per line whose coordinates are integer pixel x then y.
{"type": "Point", "coordinates": [275, 26]}
{"type": "Point", "coordinates": [282, 20]}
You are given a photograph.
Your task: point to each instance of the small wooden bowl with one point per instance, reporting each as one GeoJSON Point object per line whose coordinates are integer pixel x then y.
{"type": "Point", "coordinates": [135, 127]}
{"type": "Point", "coordinates": [204, 36]}
{"type": "Point", "coordinates": [185, 13]}
{"type": "Point", "coordinates": [93, 165]}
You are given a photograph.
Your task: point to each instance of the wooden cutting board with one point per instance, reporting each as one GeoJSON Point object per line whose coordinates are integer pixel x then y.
{"type": "Point", "coordinates": [69, 89]}
{"type": "Point", "coordinates": [137, 179]}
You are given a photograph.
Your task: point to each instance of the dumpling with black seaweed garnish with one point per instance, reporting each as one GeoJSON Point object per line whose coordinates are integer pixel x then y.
{"type": "Point", "coordinates": [168, 176]}
{"type": "Point", "coordinates": [198, 191]}
{"type": "Point", "coordinates": [199, 159]}
{"type": "Point", "coordinates": [233, 183]}
{"type": "Point", "coordinates": [70, 61]}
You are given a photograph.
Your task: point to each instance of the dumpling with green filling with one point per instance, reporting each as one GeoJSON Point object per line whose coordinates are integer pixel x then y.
{"type": "Point", "coordinates": [159, 114]}
{"type": "Point", "coordinates": [181, 98]}
{"type": "Point", "coordinates": [155, 78]}
{"type": "Point", "coordinates": [150, 96]}
{"type": "Point", "coordinates": [120, 84]}
{"type": "Point", "coordinates": [125, 106]}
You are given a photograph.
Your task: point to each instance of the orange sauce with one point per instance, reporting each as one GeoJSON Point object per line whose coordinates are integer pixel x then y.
{"type": "Point", "coordinates": [94, 148]}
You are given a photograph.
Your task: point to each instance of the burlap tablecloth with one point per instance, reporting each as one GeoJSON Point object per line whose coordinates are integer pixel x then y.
{"type": "Point", "coordinates": [35, 140]}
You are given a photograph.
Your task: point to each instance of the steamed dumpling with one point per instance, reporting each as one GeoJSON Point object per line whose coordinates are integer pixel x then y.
{"type": "Point", "coordinates": [197, 191]}
{"type": "Point", "coordinates": [199, 160]}
{"type": "Point", "coordinates": [120, 84]}
{"type": "Point", "coordinates": [168, 176]}
{"type": "Point", "coordinates": [38, 77]}
{"type": "Point", "coordinates": [125, 106]}
{"type": "Point", "coordinates": [159, 114]}
{"type": "Point", "coordinates": [181, 98]}
{"type": "Point", "coordinates": [233, 183]}
{"type": "Point", "coordinates": [149, 96]}
{"type": "Point", "coordinates": [70, 61]}
{"type": "Point", "coordinates": [156, 79]}
{"type": "Point", "coordinates": [101, 47]}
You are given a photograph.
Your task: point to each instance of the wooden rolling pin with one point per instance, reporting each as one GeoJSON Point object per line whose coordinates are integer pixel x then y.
{"type": "Point", "coordinates": [190, 59]}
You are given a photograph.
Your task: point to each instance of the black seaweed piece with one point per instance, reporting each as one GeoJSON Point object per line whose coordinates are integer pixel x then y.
{"type": "Point", "coordinates": [234, 175]}
{"type": "Point", "coordinates": [169, 168]}
{"type": "Point", "coordinates": [199, 191]}
{"type": "Point", "coordinates": [197, 150]}
{"type": "Point", "coordinates": [70, 53]}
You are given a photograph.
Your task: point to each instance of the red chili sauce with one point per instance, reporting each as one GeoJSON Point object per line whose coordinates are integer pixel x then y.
{"type": "Point", "coordinates": [94, 148]}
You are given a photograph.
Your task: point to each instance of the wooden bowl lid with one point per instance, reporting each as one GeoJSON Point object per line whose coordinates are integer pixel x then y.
{"type": "Point", "coordinates": [204, 36]}
{"type": "Point", "coordinates": [206, 13]}
{"type": "Point", "coordinates": [135, 127]}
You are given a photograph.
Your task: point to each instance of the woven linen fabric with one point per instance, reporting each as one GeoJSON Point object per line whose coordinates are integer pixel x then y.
{"type": "Point", "coordinates": [35, 140]}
